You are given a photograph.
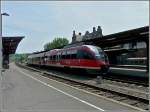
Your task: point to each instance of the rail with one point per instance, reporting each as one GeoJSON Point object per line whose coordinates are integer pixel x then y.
{"type": "Point", "coordinates": [137, 100]}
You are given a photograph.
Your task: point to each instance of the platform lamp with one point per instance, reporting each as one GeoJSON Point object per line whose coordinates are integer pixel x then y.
{"type": "Point", "coordinates": [1, 54]}
{"type": "Point", "coordinates": [1, 46]}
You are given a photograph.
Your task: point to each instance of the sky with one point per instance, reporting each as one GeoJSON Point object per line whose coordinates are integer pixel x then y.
{"type": "Point", "coordinates": [41, 21]}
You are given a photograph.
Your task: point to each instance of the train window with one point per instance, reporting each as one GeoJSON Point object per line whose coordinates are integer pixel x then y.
{"type": "Point", "coordinates": [68, 56]}
{"type": "Point", "coordinates": [84, 54]}
{"type": "Point", "coordinates": [87, 55]}
{"type": "Point", "coordinates": [62, 56]}
{"type": "Point", "coordinates": [73, 56]}
{"type": "Point", "coordinates": [51, 57]}
{"type": "Point", "coordinates": [48, 58]}
{"type": "Point", "coordinates": [54, 57]}
{"type": "Point", "coordinates": [59, 57]}
{"type": "Point", "coordinates": [39, 59]}
{"type": "Point", "coordinates": [79, 54]}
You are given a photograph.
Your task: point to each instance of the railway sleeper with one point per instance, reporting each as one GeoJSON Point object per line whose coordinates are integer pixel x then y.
{"type": "Point", "coordinates": [120, 98]}
{"type": "Point", "coordinates": [143, 106]}
{"type": "Point", "coordinates": [110, 96]}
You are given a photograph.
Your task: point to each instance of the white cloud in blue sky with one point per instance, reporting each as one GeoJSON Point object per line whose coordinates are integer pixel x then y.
{"type": "Point", "coordinates": [40, 22]}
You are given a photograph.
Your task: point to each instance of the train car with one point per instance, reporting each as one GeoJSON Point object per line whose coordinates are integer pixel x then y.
{"type": "Point", "coordinates": [36, 59]}
{"type": "Point", "coordinates": [87, 57]}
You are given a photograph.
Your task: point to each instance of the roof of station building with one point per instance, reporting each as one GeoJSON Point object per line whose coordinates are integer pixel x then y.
{"type": "Point", "coordinates": [138, 34]}
{"type": "Point", "coordinates": [10, 44]}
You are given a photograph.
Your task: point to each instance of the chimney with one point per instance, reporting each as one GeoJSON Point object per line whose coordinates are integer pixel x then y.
{"type": "Point", "coordinates": [94, 29]}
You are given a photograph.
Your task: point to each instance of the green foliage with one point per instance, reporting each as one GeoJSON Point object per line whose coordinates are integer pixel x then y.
{"type": "Point", "coordinates": [57, 42]}
{"type": "Point", "coordinates": [19, 57]}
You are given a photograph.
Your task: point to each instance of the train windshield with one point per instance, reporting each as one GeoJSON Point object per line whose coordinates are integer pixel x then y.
{"type": "Point", "coordinates": [99, 53]}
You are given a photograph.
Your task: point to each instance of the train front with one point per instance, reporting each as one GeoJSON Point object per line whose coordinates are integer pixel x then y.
{"type": "Point", "coordinates": [101, 59]}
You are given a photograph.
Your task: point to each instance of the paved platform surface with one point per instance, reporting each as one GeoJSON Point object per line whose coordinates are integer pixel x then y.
{"type": "Point", "coordinates": [26, 91]}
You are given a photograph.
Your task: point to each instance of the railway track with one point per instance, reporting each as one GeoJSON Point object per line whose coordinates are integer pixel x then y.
{"type": "Point", "coordinates": [108, 92]}
{"type": "Point", "coordinates": [138, 82]}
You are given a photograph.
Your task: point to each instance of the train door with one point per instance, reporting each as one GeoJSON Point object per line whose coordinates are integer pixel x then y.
{"type": "Point", "coordinates": [63, 57]}
{"type": "Point", "coordinates": [58, 56]}
{"type": "Point", "coordinates": [73, 57]}
{"type": "Point", "coordinates": [57, 59]}
{"type": "Point", "coordinates": [79, 58]}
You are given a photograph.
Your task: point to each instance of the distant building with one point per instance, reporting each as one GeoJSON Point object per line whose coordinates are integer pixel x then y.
{"type": "Point", "coordinates": [79, 37]}
{"type": "Point", "coordinates": [95, 34]}
{"type": "Point", "coordinates": [74, 37]}
{"type": "Point", "coordinates": [99, 32]}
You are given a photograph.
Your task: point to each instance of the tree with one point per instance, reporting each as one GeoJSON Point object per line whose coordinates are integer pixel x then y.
{"type": "Point", "coordinates": [19, 57]}
{"type": "Point", "coordinates": [57, 42]}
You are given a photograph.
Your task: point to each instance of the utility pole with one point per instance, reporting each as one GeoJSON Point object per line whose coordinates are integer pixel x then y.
{"type": "Point", "coordinates": [1, 105]}
{"type": "Point", "coordinates": [1, 43]}
{"type": "Point", "coordinates": [1, 58]}
{"type": "Point", "coordinates": [1, 46]}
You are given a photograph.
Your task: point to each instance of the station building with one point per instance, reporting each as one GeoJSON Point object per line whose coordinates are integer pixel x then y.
{"type": "Point", "coordinates": [123, 48]}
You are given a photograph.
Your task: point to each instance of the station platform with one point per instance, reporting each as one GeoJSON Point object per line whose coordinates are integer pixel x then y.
{"type": "Point", "coordinates": [129, 70]}
{"type": "Point", "coordinates": [26, 91]}
{"type": "Point", "coordinates": [131, 66]}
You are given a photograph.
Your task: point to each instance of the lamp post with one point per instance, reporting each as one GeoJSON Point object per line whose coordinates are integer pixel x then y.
{"type": "Point", "coordinates": [1, 59]}
{"type": "Point", "coordinates": [1, 44]}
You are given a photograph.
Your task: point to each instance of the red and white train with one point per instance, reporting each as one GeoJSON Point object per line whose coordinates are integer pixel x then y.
{"type": "Point", "coordinates": [86, 57]}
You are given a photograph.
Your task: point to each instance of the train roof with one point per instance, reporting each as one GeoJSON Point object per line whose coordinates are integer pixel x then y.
{"type": "Point", "coordinates": [55, 51]}
{"type": "Point", "coordinates": [36, 55]}
{"type": "Point", "coordinates": [50, 52]}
